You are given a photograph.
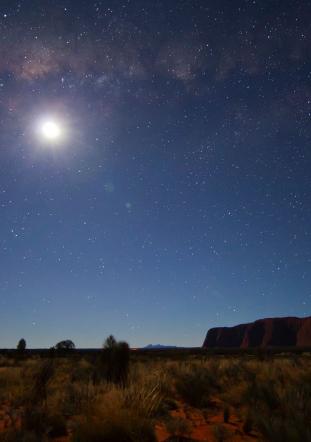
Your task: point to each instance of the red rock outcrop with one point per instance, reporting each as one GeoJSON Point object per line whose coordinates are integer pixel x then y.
{"type": "Point", "coordinates": [270, 332]}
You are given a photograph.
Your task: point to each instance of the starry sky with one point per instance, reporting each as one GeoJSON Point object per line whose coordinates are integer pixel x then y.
{"type": "Point", "coordinates": [179, 198]}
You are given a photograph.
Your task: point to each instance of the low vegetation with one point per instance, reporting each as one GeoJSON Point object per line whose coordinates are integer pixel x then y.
{"type": "Point", "coordinates": [145, 398]}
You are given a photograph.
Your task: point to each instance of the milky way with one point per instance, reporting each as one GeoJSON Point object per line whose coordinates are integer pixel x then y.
{"type": "Point", "coordinates": [179, 198]}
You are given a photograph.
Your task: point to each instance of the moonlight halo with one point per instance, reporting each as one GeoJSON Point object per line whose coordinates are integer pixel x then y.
{"type": "Point", "coordinates": [50, 130]}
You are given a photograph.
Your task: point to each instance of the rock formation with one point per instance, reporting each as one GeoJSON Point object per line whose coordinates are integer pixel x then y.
{"type": "Point", "coordinates": [270, 332]}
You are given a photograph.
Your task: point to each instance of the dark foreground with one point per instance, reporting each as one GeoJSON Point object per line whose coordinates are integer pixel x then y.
{"type": "Point", "coordinates": [156, 395]}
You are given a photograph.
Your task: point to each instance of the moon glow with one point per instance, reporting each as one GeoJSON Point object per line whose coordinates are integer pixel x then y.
{"type": "Point", "coordinates": [50, 130]}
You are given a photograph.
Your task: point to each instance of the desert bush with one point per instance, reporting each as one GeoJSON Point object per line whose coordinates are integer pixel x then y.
{"type": "Point", "coordinates": [220, 433]}
{"type": "Point", "coordinates": [194, 385]}
{"type": "Point", "coordinates": [261, 392]}
{"type": "Point", "coordinates": [233, 371]}
{"type": "Point", "coordinates": [276, 429]}
{"type": "Point", "coordinates": [21, 345]}
{"type": "Point", "coordinates": [113, 363]}
{"type": "Point", "coordinates": [65, 345]}
{"type": "Point", "coordinates": [177, 426]}
{"type": "Point", "coordinates": [273, 395]}
{"type": "Point", "coordinates": [77, 398]}
{"type": "Point", "coordinates": [226, 414]}
{"type": "Point", "coordinates": [291, 422]}
{"type": "Point", "coordinates": [4, 361]}
{"type": "Point", "coordinates": [9, 377]}
{"type": "Point", "coordinates": [15, 435]}
{"type": "Point", "coordinates": [117, 426]}
{"type": "Point", "coordinates": [34, 420]}
{"type": "Point", "coordinates": [214, 367]}
{"type": "Point", "coordinates": [45, 371]}
{"type": "Point", "coordinates": [145, 398]}
{"type": "Point", "coordinates": [155, 373]}
{"type": "Point", "coordinates": [81, 372]}
{"type": "Point", "coordinates": [169, 404]}
{"type": "Point", "coordinates": [56, 426]}
{"type": "Point", "coordinates": [12, 385]}
{"type": "Point", "coordinates": [35, 426]}
{"type": "Point", "coordinates": [262, 353]}
{"type": "Point", "coordinates": [247, 423]}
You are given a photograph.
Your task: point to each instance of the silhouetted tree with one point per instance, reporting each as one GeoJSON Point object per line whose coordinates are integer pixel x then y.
{"type": "Point", "coordinates": [110, 342]}
{"type": "Point", "coordinates": [21, 346]}
{"type": "Point", "coordinates": [65, 345]}
{"type": "Point", "coordinates": [51, 352]}
{"type": "Point", "coordinates": [113, 364]}
{"type": "Point", "coordinates": [121, 362]}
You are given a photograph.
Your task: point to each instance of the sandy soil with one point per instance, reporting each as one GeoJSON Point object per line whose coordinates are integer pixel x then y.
{"type": "Point", "coordinates": [201, 424]}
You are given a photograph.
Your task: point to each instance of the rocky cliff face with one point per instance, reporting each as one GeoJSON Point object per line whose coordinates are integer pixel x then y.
{"type": "Point", "coordinates": [271, 332]}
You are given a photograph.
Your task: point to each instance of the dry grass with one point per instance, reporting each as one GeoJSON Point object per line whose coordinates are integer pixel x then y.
{"type": "Point", "coordinates": [271, 399]}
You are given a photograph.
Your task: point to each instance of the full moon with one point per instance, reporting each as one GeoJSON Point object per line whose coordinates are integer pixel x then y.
{"type": "Point", "coordinates": [50, 130]}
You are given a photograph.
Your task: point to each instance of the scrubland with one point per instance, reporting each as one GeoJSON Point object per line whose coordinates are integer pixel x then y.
{"type": "Point", "coordinates": [145, 399]}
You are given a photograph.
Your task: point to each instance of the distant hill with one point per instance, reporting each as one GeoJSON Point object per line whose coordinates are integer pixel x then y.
{"type": "Point", "coordinates": [158, 346]}
{"type": "Point", "coordinates": [270, 332]}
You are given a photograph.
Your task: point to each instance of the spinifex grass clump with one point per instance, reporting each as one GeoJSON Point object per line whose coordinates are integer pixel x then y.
{"type": "Point", "coordinates": [34, 417]}
{"type": "Point", "coordinates": [146, 398]}
{"type": "Point", "coordinates": [194, 384]}
{"type": "Point", "coordinates": [38, 392]}
{"type": "Point", "coordinates": [290, 422]}
{"type": "Point", "coordinates": [120, 414]}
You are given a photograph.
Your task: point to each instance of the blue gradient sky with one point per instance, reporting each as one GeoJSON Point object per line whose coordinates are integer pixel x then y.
{"type": "Point", "coordinates": [180, 198]}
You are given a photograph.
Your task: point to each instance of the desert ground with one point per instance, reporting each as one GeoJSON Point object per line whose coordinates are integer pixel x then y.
{"type": "Point", "coordinates": [155, 396]}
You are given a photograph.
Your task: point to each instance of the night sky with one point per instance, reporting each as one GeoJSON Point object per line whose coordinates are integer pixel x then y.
{"type": "Point", "coordinates": [175, 194]}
